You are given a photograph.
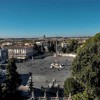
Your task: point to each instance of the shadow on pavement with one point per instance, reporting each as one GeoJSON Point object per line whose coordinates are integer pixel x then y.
{"type": "Point", "coordinates": [25, 78]}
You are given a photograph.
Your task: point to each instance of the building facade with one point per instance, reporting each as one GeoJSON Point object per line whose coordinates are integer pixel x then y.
{"type": "Point", "coordinates": [22, 52]}
{"type": "Point", "coordinates": [3, 55]}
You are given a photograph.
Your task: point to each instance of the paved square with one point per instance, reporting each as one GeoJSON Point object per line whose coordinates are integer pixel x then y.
{"type": "Point", "coordinates": [42, 73]}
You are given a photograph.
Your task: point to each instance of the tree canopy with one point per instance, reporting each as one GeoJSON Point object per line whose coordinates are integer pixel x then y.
{"type": "Point", "coordinates": [71, 47]}
{"type": "Point", "coordinates": [71, 86]}
{"type": "Point", "coordinates": [12, 73]}
{"type": "Point", "coordinates": [86, 68]}
{"type": "Point", "coordinates": [13, 80]}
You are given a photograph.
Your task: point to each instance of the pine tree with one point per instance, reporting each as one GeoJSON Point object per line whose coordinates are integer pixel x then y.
{"type": "Point", "coordinates": [12, 73]}
{"type": "Point", "coordinates": [13, 80]}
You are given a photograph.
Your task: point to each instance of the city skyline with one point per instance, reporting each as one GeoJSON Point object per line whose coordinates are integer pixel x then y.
{"type": "Point", "coordinates": [35, 18]}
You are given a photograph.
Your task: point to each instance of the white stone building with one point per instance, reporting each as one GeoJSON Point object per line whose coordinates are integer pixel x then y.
{"type": "Point", "coordinates": [20, 52]}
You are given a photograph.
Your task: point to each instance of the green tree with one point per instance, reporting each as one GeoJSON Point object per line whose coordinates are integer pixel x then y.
{"type": "Point", "coordinates": [35, 46]}
{"type": "Point", "coordinates": [12, 73]}
{"type": "Point", "coordinates": [51, 46]}
{"type": "Point", "coordinates": [0, 92]}
{"type": "Point", "coordinates": [86, 71]}
{"type": "Point", "coordinates": [40, 49]}
{"type": "Point", "coordinates": [86, 67]}
{"type": "Point", "coordinates": [13, 80]}
{"type": "Point", "coordinates": [63, 50]}
{"type": "Point", "coordinates": [80, 96]}
{"type": "Point", "coordinates": [72, 47]}
{"type": "Point", "coordinates": [71, 86]}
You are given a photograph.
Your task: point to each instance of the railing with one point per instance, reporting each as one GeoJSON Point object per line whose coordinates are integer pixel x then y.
{"type": "Point", "coordinates": [52, 98]}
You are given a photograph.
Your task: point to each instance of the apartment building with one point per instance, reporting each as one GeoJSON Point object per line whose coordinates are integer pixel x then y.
{"type": "Point", "coordinates": [20, 52]}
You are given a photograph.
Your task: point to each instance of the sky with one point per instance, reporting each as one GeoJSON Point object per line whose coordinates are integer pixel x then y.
{"type": "Point", "coordinates": [36, 18]}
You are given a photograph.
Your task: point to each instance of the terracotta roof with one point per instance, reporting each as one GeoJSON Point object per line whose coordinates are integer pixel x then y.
{"type": "Point", "coordinates": [19, 47]}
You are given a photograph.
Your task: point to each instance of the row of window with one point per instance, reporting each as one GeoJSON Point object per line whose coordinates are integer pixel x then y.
{"type": "Point", "coordinates": [17, 50]}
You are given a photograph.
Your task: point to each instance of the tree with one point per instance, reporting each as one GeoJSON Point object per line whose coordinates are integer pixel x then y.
{"type": "Point", "coordinates": [63, 49]}
{"type": "Point", "coordinates": [86, 71]}
{"type": "Point", "coordinates": [12, 73]}
{"type": "Point", "coordinates": [39, 48]}
{"type": "Point", "coordinates": [80, 96]}
{"type": "Point", "coordinates": [0, 92]}
{"type": "Point", "coordinates": [86, 67]}
{"type": "Point", "coordinates": [35, 46]}
{"type": "Point", "coordinates": [72, 47]}
{"type": "Point", "coordinates": [51, 46]}
{"type": "Point", "coordinates": [13, 80]}
{"type": "Point", "coordinates": [71, 86]}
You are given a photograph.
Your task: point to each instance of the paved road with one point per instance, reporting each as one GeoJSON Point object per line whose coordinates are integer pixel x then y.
{"type": "Point", "coordinates": [42, 74]}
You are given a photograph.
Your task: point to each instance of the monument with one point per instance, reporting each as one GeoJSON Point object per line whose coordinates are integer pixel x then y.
{"type": "Point", "coordinates": [56, 64]}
